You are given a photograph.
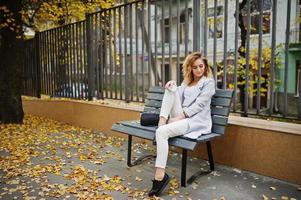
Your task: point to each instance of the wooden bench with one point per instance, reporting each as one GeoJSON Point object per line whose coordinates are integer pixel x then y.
{"type": "Point", "coordinates": [220, 109]}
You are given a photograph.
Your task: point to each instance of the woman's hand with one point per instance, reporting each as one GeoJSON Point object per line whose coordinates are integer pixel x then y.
{"type": "Point", "coordinates": [171, 85]}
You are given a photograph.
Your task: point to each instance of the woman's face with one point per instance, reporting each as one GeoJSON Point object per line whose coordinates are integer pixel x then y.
{"type": "Point", "coordinates": [198, 68]}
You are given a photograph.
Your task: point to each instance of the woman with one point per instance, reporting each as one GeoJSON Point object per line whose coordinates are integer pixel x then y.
{"type": "Point", "coordinates": [185, 111]}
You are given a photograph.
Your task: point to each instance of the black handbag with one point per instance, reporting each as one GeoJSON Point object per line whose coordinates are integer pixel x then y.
{"type": "Point", "coordinates": [149, 119]}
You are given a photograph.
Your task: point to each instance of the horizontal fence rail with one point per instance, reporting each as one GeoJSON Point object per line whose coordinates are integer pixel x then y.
{"type": "Point", "coordinates": [253, 47]}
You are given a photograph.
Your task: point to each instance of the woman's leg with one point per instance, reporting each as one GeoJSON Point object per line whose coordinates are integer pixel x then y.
{"type": "Point", "coordinates": [171, 105]}
{"type": "Point", "coordinates": [163, 133]}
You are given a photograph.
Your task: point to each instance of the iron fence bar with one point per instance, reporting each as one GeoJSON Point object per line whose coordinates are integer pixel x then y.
{"type": "Point", "coordinates": [120, 54]}
{"type": "Point", "coordinates": [115, 56]}
{"type": "Point", "coordinates": [259, 57]}
{"type": "Point", "coordinates": [196, 27]}
{"type": "Point", "coordinates": [225, 43]}
{"type": "Point", "coordinates": [66, 56]}
{"type": "Point", "coordinates": [247, 58]}
{"type": "Point", "coordinates": [98, 53]}
{"type": "Point", "coordinates": [66, 70]}
{"type": "Point", "coordinates": [78, 79]}
{"type": "Point", "coordinates": [63, 58]}
{"type": "Point", "coordinates": [104, 70]}
{"type": "Point", "coordinates": [143, 38]}
{"type": "Point", "coordinates": [186, 28]}
{"type": "Point", "coordinates": [125, 54]}
{"type": "Point", "coordinates": [81, 66]}
{"type": "Point", "coordinates": [89, 56]}
{"type": "Point", "coordinates": [85, 56]}
{"type": "Point", "coordinates": [214, 43]}
{"type": "Point", "coordinates": [150, 55]}
{"type": "Point", "coordinates": [110, 53]}
{"type": "Point", "coordinates": [59, 57]}
{"type": "Point", "coordinates": [42, 63]}
{"type": "Point", "coordinates": [131, 52]}
{"type": "Point", "coordinates": [155, 46]}
{"type": "Point", "coordinates": [73, 71]}
{"type": "Point", "coordinates": [137, 45]}
{"type": "Point", "coordinates": [287, 32]}
{"type": "Point", "coordinates": [69, 94]}
{"type": "Point", "coordinates": [69, 61]}
{"type": "Point", "coordinates": [205, 27]}
{"type": "Point", "coordinates": [56, 58]}
{"type": "Point", "coordinates": [273, 64]}
{"type": "Point", "coordinates": [299, 92]}
{"type": "Point", "coordinates": [54, 40]}
{"type": "Point", "coordinates": [163, 43]}
{"type": "Point", "coordinates": [47, 62]}
{"type": "Point", "coordinates": [169, 38]}
{"type": "Point", "coordinates": [235, 54]}
{"type": "Point", "coordinates": [178, 43]}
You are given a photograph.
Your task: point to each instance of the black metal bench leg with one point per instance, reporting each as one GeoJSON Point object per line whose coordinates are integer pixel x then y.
{"type": "Point", "coordinates": [211, 164]}
{"type": "Point", "coordinates": [129, 162]}
{"type": "Point", "coordinates": [183, 170]}
{"type": "Point", "coordinates": [129, 157]}
{"type": "Point", "coordinates": [210, 157]}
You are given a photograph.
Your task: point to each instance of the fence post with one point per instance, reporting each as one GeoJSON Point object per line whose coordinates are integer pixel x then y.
{"type": "Point", "coordinates": [196, 25]}
{"type": "Point", "coordinates": [38, 66]}
{"type": "Point", "coordinates": [91, 82]}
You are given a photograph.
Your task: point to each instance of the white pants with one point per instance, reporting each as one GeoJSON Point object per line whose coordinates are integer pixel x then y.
{"type": "Point", "coordinates": [171, 106]}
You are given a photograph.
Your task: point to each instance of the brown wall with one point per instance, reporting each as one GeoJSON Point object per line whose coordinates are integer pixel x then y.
{"type": "Point", "coordinates": [270, 153]}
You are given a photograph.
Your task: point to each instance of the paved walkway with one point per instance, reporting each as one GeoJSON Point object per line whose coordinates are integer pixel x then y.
{"type": "Point", "coordinates": [44, 159]}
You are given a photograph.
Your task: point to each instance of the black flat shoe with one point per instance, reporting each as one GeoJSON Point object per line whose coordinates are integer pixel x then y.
{"type": "Point", "coordinates": [158, 186]}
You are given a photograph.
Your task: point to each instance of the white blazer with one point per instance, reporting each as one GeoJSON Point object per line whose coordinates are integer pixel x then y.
{"type": "Point", "coordinates": [198, 109]}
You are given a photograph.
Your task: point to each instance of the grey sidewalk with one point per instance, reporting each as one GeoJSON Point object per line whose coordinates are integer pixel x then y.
{"type": "Point", "coordinates": [74, 163]}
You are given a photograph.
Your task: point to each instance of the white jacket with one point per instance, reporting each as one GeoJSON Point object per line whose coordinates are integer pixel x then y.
{"type": "Point", "coordinates": [198, 110]}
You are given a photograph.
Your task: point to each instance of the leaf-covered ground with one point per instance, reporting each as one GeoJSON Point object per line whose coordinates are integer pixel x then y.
{"type": "Point", "coordinates": [45, 159]}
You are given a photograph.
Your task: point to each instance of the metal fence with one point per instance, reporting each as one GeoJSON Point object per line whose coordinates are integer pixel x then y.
{"type": "Point", "coordinates": [118, 53]}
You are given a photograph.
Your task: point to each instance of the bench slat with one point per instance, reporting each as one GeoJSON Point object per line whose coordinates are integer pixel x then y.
{"type": "Point", "coordinates": [219, 120]}
{"type": "Point", "coordinates": [136, 124]}
{"type": "Point", "coordinates": [156, 89]}
{"type": "Point", "coordinates": [207, 137]}
{"type": "Point", "coordinates": [151, 110]}
{"type": "Point", "coordinates": [155, 96]}
{"type": "Point", "coordinates": [134, 131]}
{"type": "Point", "coordinates": [153, 103]}
{"type": "Point", "coordinates": [183, 143]}
{"type": "Point", "coordinates": [216, 101]}
{"type": "Point", "coordinates": [224, 111]}
{"type": "Point", "coordinates": [223, 93]}
{"type": "Point", "coordinates": [218, 129]}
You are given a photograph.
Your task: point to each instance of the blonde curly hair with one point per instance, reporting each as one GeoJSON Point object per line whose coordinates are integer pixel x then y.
{"type": "Point", "coordinates": [187, 66]}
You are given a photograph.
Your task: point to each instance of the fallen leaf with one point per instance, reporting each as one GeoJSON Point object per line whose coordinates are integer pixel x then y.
{"type": "Point", "coordinates": [237, 170]}
{"type": "Point", "coordinates": [273, 188]}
